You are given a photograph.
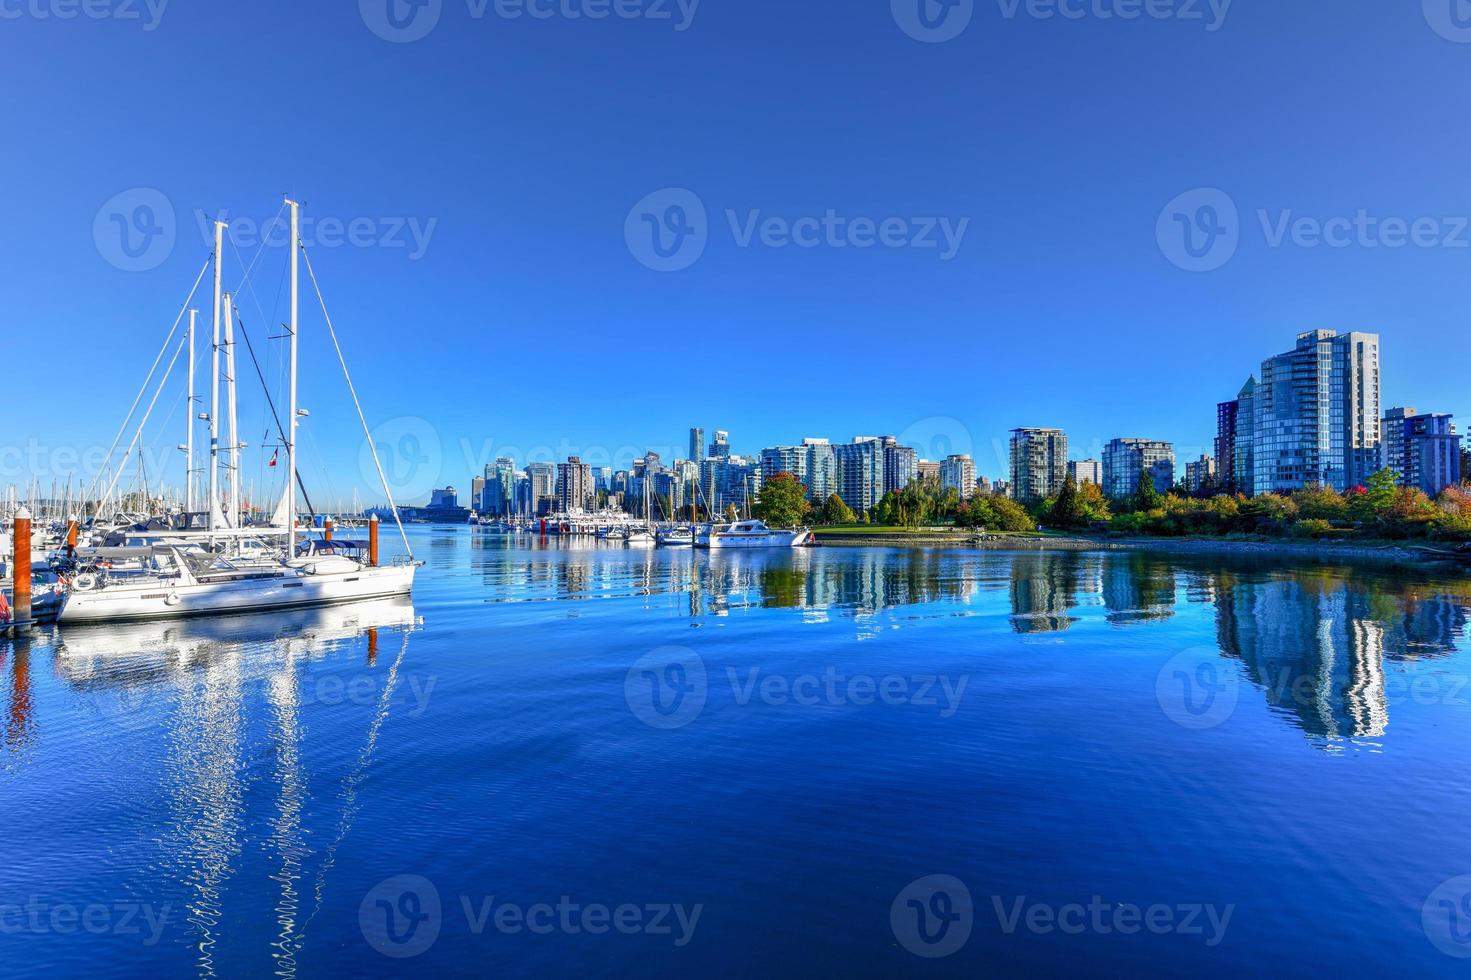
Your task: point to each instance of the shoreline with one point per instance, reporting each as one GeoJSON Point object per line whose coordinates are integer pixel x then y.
{"type": "Point", "coordinates": [1390, 553]}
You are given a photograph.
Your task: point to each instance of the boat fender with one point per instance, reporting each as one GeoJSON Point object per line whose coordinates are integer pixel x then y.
{"type": "Point", "coordinates": [84, 582]}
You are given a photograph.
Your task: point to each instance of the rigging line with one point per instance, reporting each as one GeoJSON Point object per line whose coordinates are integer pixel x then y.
{"type": "Point", "coordinates": [138, 434]}
{"type": "Point", "coordinates": [265, 237]}
{"type": "Point", "coordinates": [144, 387]}
{"type": "Point", "coordinates": [352, 389]}
{"type": "Point", "coordinates": [306, 498]}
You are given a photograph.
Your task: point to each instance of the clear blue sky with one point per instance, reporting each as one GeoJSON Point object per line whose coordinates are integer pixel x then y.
{"type": "Point", "coordinates": [523, 145]}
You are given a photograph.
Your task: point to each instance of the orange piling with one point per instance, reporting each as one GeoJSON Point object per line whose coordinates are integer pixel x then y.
{"type": "Point", "coordinates": [21, 568]}
{"type": "Point", "coordinates": [327, 529]}
{"type": "Point", "coordinates": [71, 532]}
{"type": "Point", "coordinates": [373, 540]}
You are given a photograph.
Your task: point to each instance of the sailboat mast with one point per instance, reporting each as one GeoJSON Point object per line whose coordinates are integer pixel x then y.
{"type": "Point", "coordinates": [234, 429]}
{"type": "Point", "coordinates": [190, 412]}
{"type": "Point", "coordinates": [291, 426]}
{"type": "Point", "coordinates": [214, 383]}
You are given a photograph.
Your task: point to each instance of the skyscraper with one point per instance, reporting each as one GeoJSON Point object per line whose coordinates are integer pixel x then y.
{"type": "Point", "coordinates": [1234, 428]}
{"type": "Point", "coordinates": [574, 485]}
{"type": "Point", "coordinates": [1038, 463]}
{"type": "Point", "coordinates": [1317, 414]}
{"type": "Point", "coordinates": [1392, 440]}
{"type": "Point", "coordinates": [697, 445]}
{"type": "Point", "coordinates": [901, 465]}
{"type": "Point", "coordinates": [1086, 471]}
{"type": "Point", "coordinates": [1125, 459]}
{"type": "Point", "coordinates": [860, 473]}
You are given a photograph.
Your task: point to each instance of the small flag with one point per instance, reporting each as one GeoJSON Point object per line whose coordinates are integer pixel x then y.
{"type": "Point", "coordinates": [274, 455]}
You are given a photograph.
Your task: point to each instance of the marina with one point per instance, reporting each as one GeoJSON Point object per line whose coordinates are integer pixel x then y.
{"type": "Point", "coordinates": [251, 781]}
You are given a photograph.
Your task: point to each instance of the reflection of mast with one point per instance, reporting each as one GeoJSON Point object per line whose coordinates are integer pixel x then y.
{"type": "Point", "coordinates": [207, 795]}
{"type": "Point", "coordinates": [286, 834]}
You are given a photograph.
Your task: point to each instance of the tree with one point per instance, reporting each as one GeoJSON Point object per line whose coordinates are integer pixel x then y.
{"type": "Point", "coordinates": [1067, 510]}
{"type": "Point", "coordinates": [1146, 497]}
{"type": "Point", "coordinates": [835, 511]}
{"type": "Point", "coordinates": [783, 501]}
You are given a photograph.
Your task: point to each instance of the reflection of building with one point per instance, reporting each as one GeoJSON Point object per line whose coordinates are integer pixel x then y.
{"type": "Point", "coordinates": [1138, 588]}
{"type": "Point", "coordinates": [1044, 589]}
{"type": "Point", "coordinates": [1312, 647]}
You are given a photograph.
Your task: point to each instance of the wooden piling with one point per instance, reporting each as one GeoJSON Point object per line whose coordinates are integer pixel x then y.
{"type": "Point", "coordinates": [373, 540]}
{"type": "Point", "coordinates": [71, 531]}
{"type": "Point", "coordinates": [21, 569]}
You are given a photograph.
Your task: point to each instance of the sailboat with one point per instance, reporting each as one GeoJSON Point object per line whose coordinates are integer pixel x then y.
{"type": "Point", "coordinates": [180, 578]}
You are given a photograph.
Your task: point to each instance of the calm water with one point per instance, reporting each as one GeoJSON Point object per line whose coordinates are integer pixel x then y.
{"type": "Point", "coordinates": [580, 760]}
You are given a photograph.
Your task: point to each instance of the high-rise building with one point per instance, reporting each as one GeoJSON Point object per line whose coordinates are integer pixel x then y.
{"type": "Point", "coordinates": [1125, 459]}
{"type": "Point", "coordinates": [1392, 440]}
{"type": "Point", "coordinates": [860, 473]}
{"type": "Point", "coordinates": [543, 478]}
{"type": "Point", "coordinates": [927, 469]}
{"type": "Point", "coordinates": [1317, 420]}
{"type": "Point", "coordinates": [1423, 450]}
{"type": "Point", "coordinates": [1234, 428]}
{"type": "Point", "coordinates": [697, 445]}
{"type": "Point", "coordinates": [901, 465]}
{"type": "Point", "coordinates": [822, 470]}
{"type": "Point", "coordinates": [1086, 471]}
{"type": "Point", "coordinates": [574, 485]}
{"type": "Point", "coordinates": [958, 473]}
{"type": "Point", "coordinates": [784, 459]}
{"type": "Point", "coordinates": [720, 448]}
{"type": "Point", "coordinates": [1038, 463]}
{"type": "Point", "coordinates": [498, 496]}
{"type": "Point", "coordinates": [477, 493]}
{"type": "Point", "coordinates": [1200, 474]}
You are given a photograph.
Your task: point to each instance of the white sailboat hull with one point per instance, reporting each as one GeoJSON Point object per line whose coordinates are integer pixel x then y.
{"type": "Point", "coordinates": [164, 600]}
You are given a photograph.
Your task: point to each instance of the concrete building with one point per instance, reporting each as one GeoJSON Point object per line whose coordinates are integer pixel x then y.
{"type": "Point", "coordinates": [958, 472]}
{"type": "Point", "coordinates": [575, 489]}
{"type": "Point", "coordinates": [720, 448]}
{"type": "Point", "coordinates": [927, 470]}
{"type": "Point", "coordinates": [901, 465]}
{"type": "Point", "coordinates": [1317, 418]}
{"type": "Point", "coordinates": [1086, 471]}
{"type": "Point", "coordinates": [1200, 474]}
{"type": "Point", "coordinates": [1038, 463]}
{"type": "Point", "coordinates": [1423, 449]}
{"type": "Point", "coordinates": [1125, 459]}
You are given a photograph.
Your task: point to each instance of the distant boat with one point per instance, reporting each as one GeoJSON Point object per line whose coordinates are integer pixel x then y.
{"type": "Point", "coordinates": [677, 537]}
{"type": "Point", "coordinates": [755, 534]}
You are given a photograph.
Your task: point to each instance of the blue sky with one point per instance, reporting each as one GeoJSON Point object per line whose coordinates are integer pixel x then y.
{"type": "Point", "coordinates": [903, 231]}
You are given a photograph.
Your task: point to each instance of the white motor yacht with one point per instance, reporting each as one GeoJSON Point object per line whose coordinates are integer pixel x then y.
{"type": "Point", "coordinates": [755, 534]}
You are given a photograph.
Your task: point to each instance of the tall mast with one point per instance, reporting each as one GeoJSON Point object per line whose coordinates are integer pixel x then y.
{"type": "Point", "coordinates": [190, 412]}
{"type": "Point", "coordinates": [214, 384]}
{"type": "Point", "coordinates": [234, 431]}
{"type": "Point", "coordinates": [291, 426]}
